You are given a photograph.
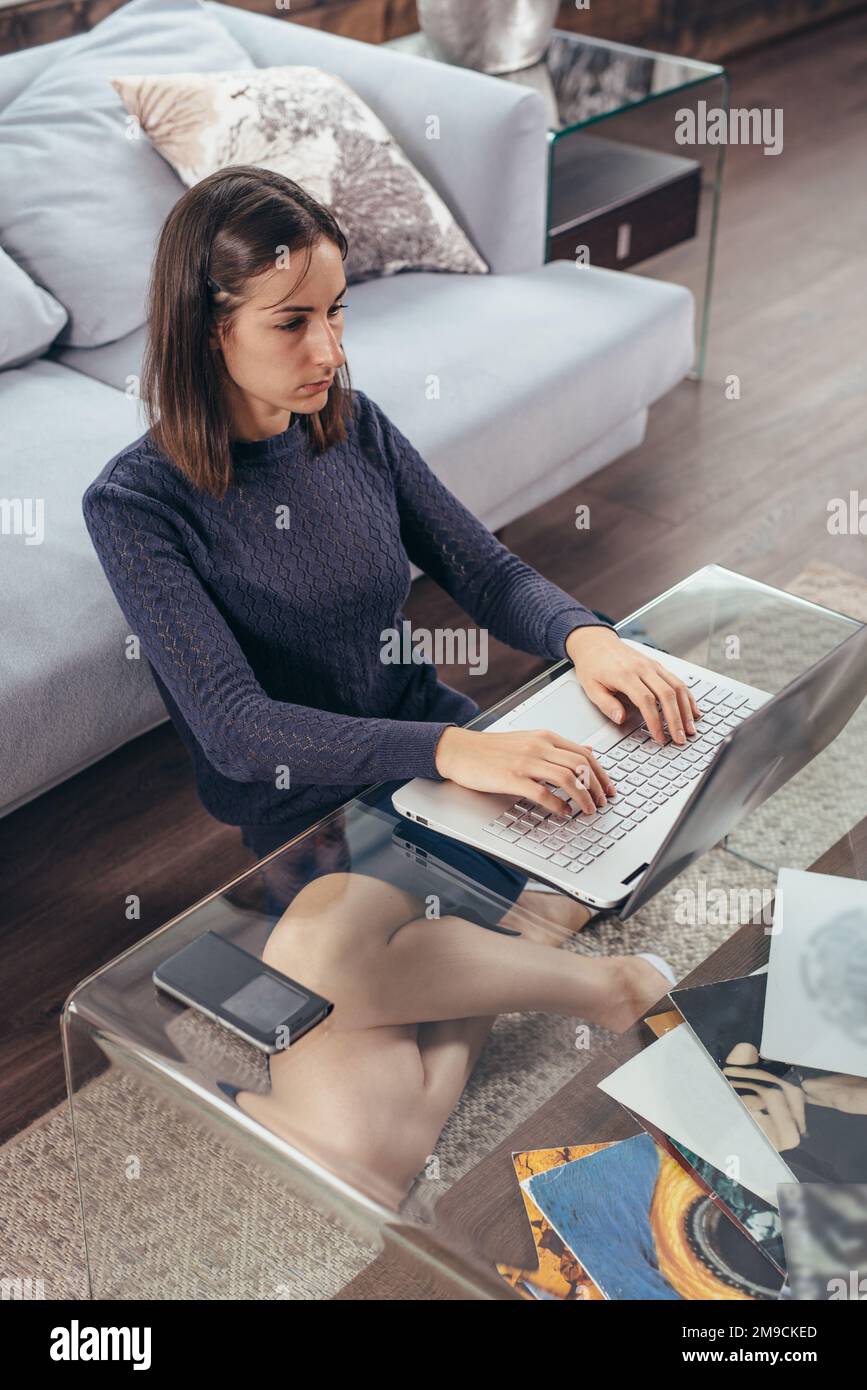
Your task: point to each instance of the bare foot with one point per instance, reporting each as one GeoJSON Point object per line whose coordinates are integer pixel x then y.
{"type": "Point", "coordinates": [636, 986]}
{"type": "Point", "coordinates": [549, 918]}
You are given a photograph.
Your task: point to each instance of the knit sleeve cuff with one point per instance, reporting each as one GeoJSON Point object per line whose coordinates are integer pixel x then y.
{"type": "Point", "coordinates": [565, 622]}
{"type": "Point", "coordinates": [417, 757]}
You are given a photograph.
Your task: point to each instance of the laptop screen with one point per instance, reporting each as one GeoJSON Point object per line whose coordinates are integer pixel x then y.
{"type": "Point", "coordinates": [758, 757]}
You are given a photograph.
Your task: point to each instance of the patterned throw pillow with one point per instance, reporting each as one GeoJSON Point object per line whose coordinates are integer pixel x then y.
{"type": "Point", "coordinates": [312, 127]}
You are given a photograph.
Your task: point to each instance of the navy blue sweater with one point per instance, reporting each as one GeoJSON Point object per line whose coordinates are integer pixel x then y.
{"type": "Point", "coordinates": [262, 615]}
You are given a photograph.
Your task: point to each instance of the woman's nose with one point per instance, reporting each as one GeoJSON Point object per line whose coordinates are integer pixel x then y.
{"type": "Point", "coordinates": [327, 350]}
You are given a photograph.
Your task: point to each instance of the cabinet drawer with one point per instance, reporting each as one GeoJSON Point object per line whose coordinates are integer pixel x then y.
{"type": "Point", "coordinates": [624, 208]}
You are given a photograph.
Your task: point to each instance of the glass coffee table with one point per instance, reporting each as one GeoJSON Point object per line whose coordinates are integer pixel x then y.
{"type": "Point", "coordinates": [372, 1156]}
{"type": "Point", "coordinates": [634, 178]}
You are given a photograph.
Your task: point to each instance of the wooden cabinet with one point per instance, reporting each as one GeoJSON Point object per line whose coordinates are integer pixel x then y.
{"type": "Point", "coordinates": [709, 29]}
{"type": "Point", "coordinates": [25, 23]}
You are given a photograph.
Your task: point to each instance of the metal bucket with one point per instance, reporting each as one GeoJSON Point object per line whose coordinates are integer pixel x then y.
{"type": "Point", "coordinates": [489, 35]}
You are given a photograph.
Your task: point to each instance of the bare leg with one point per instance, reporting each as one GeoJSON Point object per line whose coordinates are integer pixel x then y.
{"type": "Point", "coordinates": [433, 968]}
{"type": "Point", "coordinates": [348, 936]}
{"type": "Point", "coordinates": [371, 1100]}
{"type": "Point", "coordinates": [449, 1051]}
{"type": "Point", "coordinates": [549, 918]}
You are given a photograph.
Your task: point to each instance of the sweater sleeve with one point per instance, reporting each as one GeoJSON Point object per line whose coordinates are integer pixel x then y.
{"type": "Point", "coordinates": [443, 537]}
{"type": "Point", "coordinates": [244, 734]}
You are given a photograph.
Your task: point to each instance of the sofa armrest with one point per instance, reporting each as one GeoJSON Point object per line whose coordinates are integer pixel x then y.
{"type": "Point", "coordinates": [490, 163]}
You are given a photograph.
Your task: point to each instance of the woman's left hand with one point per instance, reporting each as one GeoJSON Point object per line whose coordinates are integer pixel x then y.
{"type": "Point", "coordinates": [608, 668]}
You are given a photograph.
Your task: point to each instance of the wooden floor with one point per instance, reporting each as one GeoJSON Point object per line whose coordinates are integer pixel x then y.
{"type": "Point", "coordinates": [744, 482]}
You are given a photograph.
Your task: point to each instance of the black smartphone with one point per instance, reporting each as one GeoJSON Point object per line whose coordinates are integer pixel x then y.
{"type": "Point", "coordinates": [234, 988]}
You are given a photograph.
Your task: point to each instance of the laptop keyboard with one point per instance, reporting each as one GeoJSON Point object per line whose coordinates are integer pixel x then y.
{"type": "Point", "coordinates": [646, 775]}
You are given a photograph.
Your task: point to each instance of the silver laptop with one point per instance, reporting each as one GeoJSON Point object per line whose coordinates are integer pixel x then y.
{"type": "Point", "coordinates": [603, 858]}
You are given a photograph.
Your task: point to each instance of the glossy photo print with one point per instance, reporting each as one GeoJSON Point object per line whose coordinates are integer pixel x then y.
{"type": "Point", "coordinates": [677, 1087]}
{"type": "Point", "coordinates": [757, 1219]}
{"type": "Point", "coordinates": [816, 1120]}
{"type": "Point", "coordinates": [825, 1233]}
{"type": "Point", "coordinates": [559, 1275]}
{"type": "Point", "coordinates": [643, 1228]}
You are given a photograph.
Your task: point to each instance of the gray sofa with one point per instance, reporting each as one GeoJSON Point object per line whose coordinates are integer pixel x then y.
{"type": "Point", "coordinates": [546, 371]}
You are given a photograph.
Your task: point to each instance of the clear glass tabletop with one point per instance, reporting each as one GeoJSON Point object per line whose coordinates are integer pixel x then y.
{"type": "Point", "coordinates": [587, 79]}
{"type": "Point", "coordinates": [209, 1170]}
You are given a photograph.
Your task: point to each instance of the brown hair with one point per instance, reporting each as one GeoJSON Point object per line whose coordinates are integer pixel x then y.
{"type": "Point", "coordinates": [227, 228]}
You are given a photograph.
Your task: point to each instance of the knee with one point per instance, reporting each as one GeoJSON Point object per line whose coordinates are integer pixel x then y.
{"type": "Point", "coordinates": [323, 893]}
{"type": "Point", "coordinates": [350, 900]}
{"type": "Point", "coordinates": [341, 917]}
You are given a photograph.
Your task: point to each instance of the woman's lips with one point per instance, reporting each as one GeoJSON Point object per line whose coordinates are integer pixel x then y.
{"type": "Point", "coordinates": [314, 387]}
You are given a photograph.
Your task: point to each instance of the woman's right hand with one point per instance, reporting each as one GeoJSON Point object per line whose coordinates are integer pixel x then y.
{"type": "Point", "coordinates": [520, 763]}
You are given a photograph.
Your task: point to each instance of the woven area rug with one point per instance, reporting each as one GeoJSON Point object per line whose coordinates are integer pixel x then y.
{"type": "Point", "coordinates": [204, 1220]}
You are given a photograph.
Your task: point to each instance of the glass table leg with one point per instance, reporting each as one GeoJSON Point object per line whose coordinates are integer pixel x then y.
{"type": "Point", "coordinates": [716, 186]}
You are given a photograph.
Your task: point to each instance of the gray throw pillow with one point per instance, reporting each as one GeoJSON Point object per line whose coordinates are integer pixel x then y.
{"type": "Point", "coordinates": [83, 192]}
{"type": "Point", "coordinates": [30, 320]}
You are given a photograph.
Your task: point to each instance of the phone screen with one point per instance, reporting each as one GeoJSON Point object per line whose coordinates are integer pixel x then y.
{"type": "Point", "coordinates": [265, 1002]}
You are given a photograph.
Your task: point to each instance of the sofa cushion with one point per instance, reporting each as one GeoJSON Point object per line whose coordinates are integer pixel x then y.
{"type": "Point", "coordinates": [545, 363]}
{"type": "Point", "coordinates": [31, 318]}
{"type": "Point", "coordinates": [312, 127]}
{"type": "Point", "coordinates": [83, 195]}
{"type": "Point", "coordinates": [69, 694]}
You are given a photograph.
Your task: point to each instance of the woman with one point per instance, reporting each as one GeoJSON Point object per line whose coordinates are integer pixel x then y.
{"type": "Point", "coordinates": [258, 537]}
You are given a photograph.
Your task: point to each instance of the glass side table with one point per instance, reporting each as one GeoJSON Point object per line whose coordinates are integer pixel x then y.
{"type": "Point", "coordinates": [209, 1171]}
{"type": "Point", "coordinates": [622, 189]}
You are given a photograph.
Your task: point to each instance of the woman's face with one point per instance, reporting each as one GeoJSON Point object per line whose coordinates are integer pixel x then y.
{"type": "Point", "coordinates": [286, 336]}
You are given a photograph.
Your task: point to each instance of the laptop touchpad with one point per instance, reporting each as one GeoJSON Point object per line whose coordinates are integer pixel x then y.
{"type": "Point", "coordinates": [564, 709]}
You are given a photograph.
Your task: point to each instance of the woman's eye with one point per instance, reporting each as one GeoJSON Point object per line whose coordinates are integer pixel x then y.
{"type": "Point", "coordinates": [294, 324]}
